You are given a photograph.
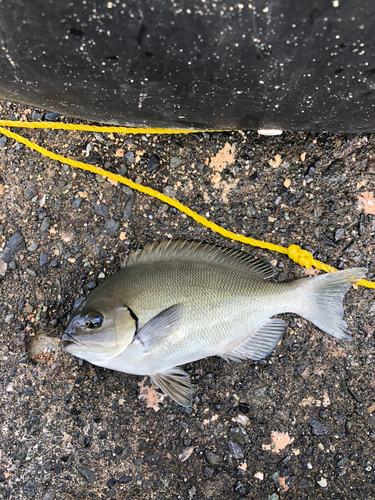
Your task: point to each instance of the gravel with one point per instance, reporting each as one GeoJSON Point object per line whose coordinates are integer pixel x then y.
{"type": "Point", "coordinates": [45, 225]}
{"type": "Point", "coordinates": [14, 244]}
{"type": "Point", "coordinates": [77, 202]}
{"type": "Point", "coordinates": [235, 450]}
{"type": "Point", "coordinates": [111, 226]}
{"type": "Point", "coordinates": [175, 162]}
{"type": "Point", "coordinates": [129, 157]}
{"type": "Point", "coordinates": [153, 163]}
{"type": "Point", "coordinates": [153, 458]}
{"type": "Point", "coordinates": [29, 489]}
{"type": "Point", "coordinates": [52, 117]}
{"type": "Point", "coordinates": [43, 259]}
{"type": "Point", "coordinates": [102, 210]}
{"type": "Point", "coordinates": [31, 190]}
{"type": "Point", "coordinates": [212, 458]}
{"type": "Point", "coordinates": [269, 429]}
{"type": "Point", "coordinates": [317, 428]}
{"type": "Point", "coordinates": [50, 495]}
{"type": "Point", "coordinates": [129, 207]}
{"type": "Point", "coordinates": [87, 474]}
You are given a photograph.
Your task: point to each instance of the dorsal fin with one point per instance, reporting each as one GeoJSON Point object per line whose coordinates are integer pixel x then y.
{"type": "Point", "coordinates": [204, 252]}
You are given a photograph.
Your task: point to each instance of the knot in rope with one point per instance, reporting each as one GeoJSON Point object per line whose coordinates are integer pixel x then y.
{"type": "Point", "coordinates": [299, 256]}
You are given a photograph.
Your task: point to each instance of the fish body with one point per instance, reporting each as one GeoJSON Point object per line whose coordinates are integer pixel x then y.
{"type": "Point", "coordinates": [178, 302]}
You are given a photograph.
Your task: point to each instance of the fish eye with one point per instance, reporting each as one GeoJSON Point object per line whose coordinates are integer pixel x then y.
{"type": "Point", "coordinates": [94, 320]}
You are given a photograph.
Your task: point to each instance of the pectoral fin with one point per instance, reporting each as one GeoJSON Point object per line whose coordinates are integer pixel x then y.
{"type": "Point", "coordinates": [160, 326]}
{"type": "Point", "coordinates": [259, 344]}
{"type": "Point", "coordinates": [176, 383]}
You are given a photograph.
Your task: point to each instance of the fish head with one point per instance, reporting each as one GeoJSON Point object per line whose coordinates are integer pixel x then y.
{"type": "Point", "coordinates": [99, 330]}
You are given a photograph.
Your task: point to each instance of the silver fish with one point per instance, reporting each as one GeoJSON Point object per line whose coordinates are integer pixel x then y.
{"type": "Point", "coordinates": [176, 302]}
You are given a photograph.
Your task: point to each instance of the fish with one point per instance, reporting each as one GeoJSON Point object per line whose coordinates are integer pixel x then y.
{"type": "Point", "coordinates": [177, 301]}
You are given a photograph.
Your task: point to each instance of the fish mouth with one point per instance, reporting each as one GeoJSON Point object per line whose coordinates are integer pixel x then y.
{"type": "Point", "coordinates": [68, 339]}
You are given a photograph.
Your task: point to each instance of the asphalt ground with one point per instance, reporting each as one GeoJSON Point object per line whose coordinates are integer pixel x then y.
{"type": "Point", "coordinates": [298, 424]}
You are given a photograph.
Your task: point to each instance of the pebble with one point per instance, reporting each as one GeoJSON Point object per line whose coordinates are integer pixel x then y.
{"type": "Point", "coordinates": [211, 457]}
{"type": "Point", "coordinates": [275, 477]}
{"type": "Point", "coordinates": [129, 207]}
{"type": "Point", "coordinates": [3, 267]}
{"type": "Point", "coordinates": [235, 450]}
{"type": "Point", "coordinates": [163, 208]}
{"type": "Point", "coordinates": [362, 225]}
{"type": "Point", "coordinates": [208, 472]}
{"type": "Point", "coordinates": [77, 202]}
{"type": "Point", "coordinates": [125, 479]}
{"type": "Point", "coordinates": [87, 474]}
{"type": "Point", "coordinates": [29, 489]}
{"type": "Point", "coordinates": [323, 482]}
{"type": "Point", "coordinates": [37, 117]}
{"type": "Point", "coordinates": [19, 340]}
{"type": "Point", "coordinates": [52, 117]}
{"type": "Point", "coordinates": [152, 459]}
{"type": "Point", "coordinates": [129, 157]}
{"type": "Point", "coordinates": [43, 259]}
{"type": "Point", "coordinates": [111, 226]}
{"type": "Point", "coordinates": [99, 178]}
{"type": "Point", "coordinates": [50, 495]}
{"type": "Point", "coordinates": [240, 489]}
{"type": "Point", "coordinates": [31, 190]}
{"type": "Point", "coordinates": [3, 141]}
{"type": "Point", "coordinates": [125, 453]}
{"type": "Point", "coordinates": [102, 210]}
{"type": "Point", "coordinates": [9, 318]}
{"type": "Point", "coordinates": [260, 394]}
{"type": "Point", "coordinates": [111, 482]}
{"type": "Point", "coordinates": [45, 225]}
{"type": "Point", "coordinates": [99, 137]}
{"type": "Point", "coordinates": [121, 170]}
{"type": "Point", "coordinates": [152, 163]}
{"type": "Point", "coordinates": [305, 484]}
{"type": "Point", "coordinates": [169, 191]}
{"type": "Point", "coordinates": [175, 162]}
{"type": "Point", "coordinates": [333, 175]}
{"type": "Point", "coordinates": [339, 233]}
{"type": "Point", "coordinates": [14, 244]}
{"type": "Point", "coordinates": [309, 173]}
{"type": "Point", "coordinates": [32, 247]}
{"type": "Point", "coordinates": [317, 428]}
{"type": "Point", "coordinates": [239, 435]}
{"type": "Point", "coordinates": [28, 391]}
{"type": "Point", "coordinates": [126, 189]}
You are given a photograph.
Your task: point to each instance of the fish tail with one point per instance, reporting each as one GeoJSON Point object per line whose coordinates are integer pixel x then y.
{"type": "Point", "coordinates": [323, 300]}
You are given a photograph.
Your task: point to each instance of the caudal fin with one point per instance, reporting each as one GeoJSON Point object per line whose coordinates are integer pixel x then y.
{"type": "Point", "coordinates": [323, 297]}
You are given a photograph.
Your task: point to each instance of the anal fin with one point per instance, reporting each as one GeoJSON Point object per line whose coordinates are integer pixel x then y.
{"type": "Point", "coordinates": [176, 383]}
{"type": "Point", "coordinates": [259, 344]}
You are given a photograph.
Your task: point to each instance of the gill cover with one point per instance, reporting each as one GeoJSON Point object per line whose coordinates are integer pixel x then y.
{"type": "Point", "coordinates": [96, 336]}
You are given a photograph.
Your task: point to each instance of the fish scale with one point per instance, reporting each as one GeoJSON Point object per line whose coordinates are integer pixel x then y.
{"type": "Point", "coordinates": [177, 302]}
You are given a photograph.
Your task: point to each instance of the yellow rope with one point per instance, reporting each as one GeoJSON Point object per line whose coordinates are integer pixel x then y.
{"type": "Point", "coordinates": [294, 252]}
